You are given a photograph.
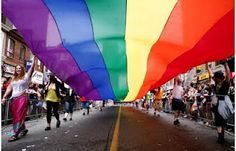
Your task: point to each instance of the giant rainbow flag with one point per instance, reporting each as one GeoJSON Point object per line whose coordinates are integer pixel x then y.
{"type": "Point", "coordinates": [120, 49]}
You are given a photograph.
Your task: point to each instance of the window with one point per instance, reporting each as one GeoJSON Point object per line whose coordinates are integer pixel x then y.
{"type": "Point", "coordinates": [22, 52]}
{"type": "Point", "coordinates": [199, 69]}
{"type": "Point", "coordinates": [11, 48]}
{"type": "Point", "coordinates": [4, 19]}
{"type": "Point", "coordinates": [210, 65]}
{"type": "Point", "coordinates": [219, 63]}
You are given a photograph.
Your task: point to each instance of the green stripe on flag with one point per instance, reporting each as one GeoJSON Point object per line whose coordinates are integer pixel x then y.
{"type": "Point", "coordinates": [108, 21]}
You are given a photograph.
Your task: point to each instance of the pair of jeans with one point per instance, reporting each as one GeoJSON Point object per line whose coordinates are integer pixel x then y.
{"type": "Point", "coordinates": [69, 107]}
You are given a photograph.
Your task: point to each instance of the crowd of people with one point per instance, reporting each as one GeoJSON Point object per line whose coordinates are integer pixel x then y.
{"type": "Point", "coordinates": [200, 101]}
{"type": "Point", "coordinates": [19, 90]}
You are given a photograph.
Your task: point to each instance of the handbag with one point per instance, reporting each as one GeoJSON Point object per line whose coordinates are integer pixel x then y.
{"type": "Point", "coordinates": [194, 107]}
{"type": "Point", "coordinates": [39, 103]}
{"type": "Point", "coordinates": [225, 108]}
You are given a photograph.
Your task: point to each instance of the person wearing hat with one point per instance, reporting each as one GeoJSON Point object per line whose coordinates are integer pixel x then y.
{"type": "Point", "coordinates": [221, 89]}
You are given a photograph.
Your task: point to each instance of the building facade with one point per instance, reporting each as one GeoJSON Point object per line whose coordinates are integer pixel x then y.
{"type": "Point", "coordinates": [198, 74]}
{"type": "Point", "coordinates": [15, 51]}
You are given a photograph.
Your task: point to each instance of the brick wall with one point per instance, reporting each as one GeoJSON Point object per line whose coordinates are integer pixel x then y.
{"type": "Point", "coordinates": [14, 35]}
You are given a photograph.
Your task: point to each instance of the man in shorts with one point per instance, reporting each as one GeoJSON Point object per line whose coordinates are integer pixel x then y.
{"type": "Point", "coordinates": [158, 101]}
{"type": "Point", "coordinates": [177, 102]}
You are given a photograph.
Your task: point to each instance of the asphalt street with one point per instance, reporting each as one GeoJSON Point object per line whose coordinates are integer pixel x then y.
{"type": "Point", "coordinates": [135, 131]}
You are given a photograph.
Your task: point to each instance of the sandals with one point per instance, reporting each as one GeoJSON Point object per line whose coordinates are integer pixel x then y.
{"type": "Point", "coordinates": [12, 138]}
{"type": "Point", "coordinates": [15, 137]}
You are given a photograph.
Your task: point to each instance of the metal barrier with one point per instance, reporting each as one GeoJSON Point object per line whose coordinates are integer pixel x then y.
{"type": "Point", "coordinates": [205, 114]}
{"type": "Point", "coordinates": [33, 111]}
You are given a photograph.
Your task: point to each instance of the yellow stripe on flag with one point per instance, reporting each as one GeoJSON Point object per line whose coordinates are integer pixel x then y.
{"type": "Point", "coordinates": [144, 24]}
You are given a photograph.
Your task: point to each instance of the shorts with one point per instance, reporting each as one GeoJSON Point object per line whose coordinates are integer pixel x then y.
{"type": "Point", "coordinates": [85, 104]}
{"type": "Point", "coordinates": [219, 120]}
{"type": "Point", "coordinates": [177, 104]}
{"type": "Point", "coordinates": [157, 104]}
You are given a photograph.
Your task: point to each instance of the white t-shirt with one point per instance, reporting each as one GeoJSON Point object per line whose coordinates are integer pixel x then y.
{"type": "Point", "coordinates": [177, 92]}
{"type": "Point", "coordinates": [20, 86]}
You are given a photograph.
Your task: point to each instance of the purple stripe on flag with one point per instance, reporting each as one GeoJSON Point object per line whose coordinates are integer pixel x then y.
{"type": "Point", "coordinates": [34, 21]}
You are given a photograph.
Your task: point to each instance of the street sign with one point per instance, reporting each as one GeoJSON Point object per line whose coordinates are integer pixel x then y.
{"type": "Point", "coordinates": [28, 65]}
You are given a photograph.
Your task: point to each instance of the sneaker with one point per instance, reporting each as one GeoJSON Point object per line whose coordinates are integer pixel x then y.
{"type": "Point", "coordinates": [64, 119]}
{"type": "Point", "coordinates": [47, 128]}
{"type": "Point", "coordinates": [176, 122]}
{"type": "Point", "coordinates": [58, 124]}
{"type": "Point", "coordinates": [70, 119]}
{"type": "Point", "coordinates": [221, 141]}
{"type": "Point", "coordinates": [24, 132]}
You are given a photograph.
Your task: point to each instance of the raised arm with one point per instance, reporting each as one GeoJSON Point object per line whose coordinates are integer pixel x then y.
{"type": "Point", "coordinates": [8, 91]}
{"type": "Point", "coordinates": [176, 79]}
{"type": "Point", "coordinates": [209, 70]}
{"type": "Point", "coordinates": [31, 70]}
{"type": "Point", "coordinates": [227, 71]}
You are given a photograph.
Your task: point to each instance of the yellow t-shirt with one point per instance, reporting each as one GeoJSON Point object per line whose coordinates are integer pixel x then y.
{"type": "Point", "coordinates": [51, 95]}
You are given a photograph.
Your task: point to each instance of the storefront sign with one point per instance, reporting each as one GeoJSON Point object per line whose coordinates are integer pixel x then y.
{"type": "Point", "coordinates": [203, 76]}
{"type": "Point", "coordinates": [28, 65]}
